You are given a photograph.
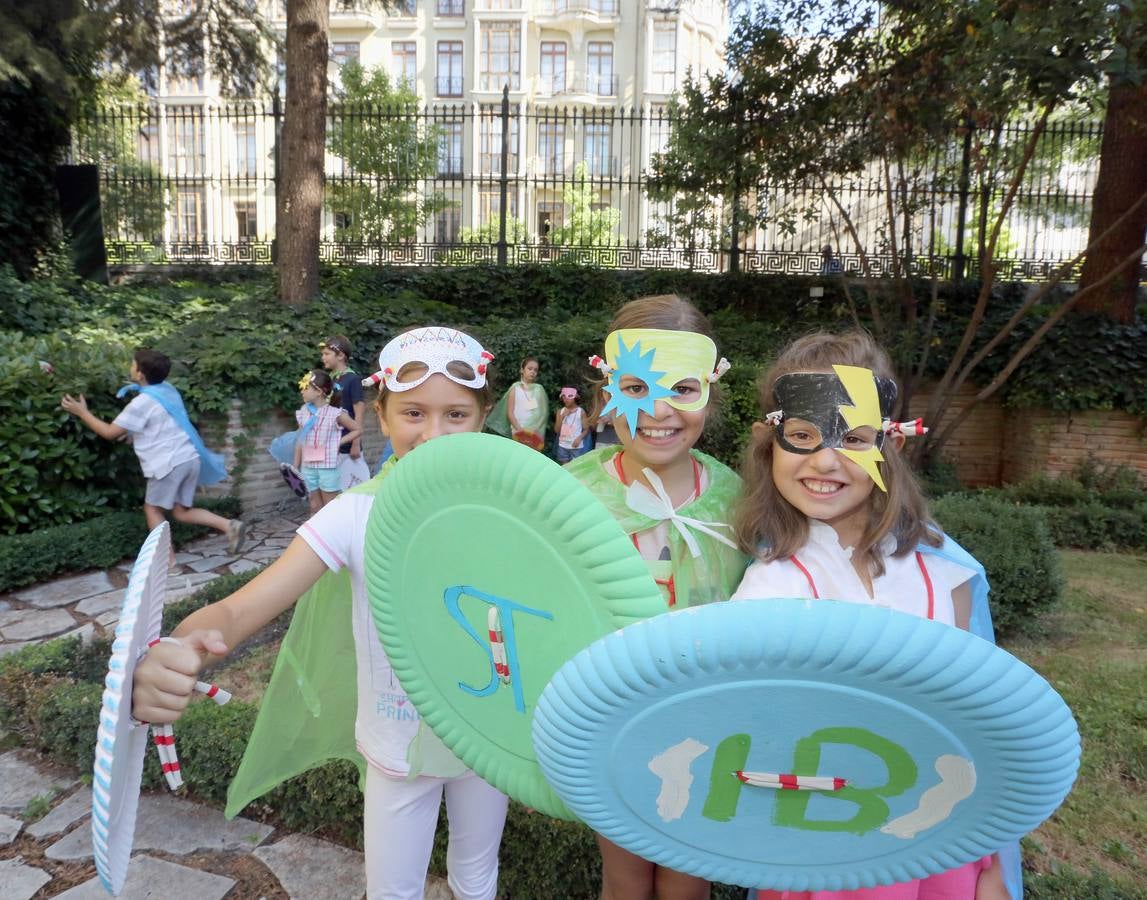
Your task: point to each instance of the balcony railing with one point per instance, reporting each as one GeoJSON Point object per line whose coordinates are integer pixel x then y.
{"type": "Point", "coordinates": [491, 163]}
{"type": "Point", "coordinates": [603, 166]}
{"type": "Point", "coordinates": [495, 81]}
{"type": "Point", "coordinates": [448, 86]}
{"type": "Point", "coordinates": [594, 7]}
{"type": "Point", "coordinates": [594, 84]}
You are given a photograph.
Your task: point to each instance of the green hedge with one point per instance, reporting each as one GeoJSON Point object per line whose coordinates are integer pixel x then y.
{"type": "Point", "coordinates": [1096, 507]}
{"type": "Point", "coordinates": [1015, 547]}
{"type": "Point", "coordinates": [237, 340]}
{"type": "Point", "coordinates": [96, 543]}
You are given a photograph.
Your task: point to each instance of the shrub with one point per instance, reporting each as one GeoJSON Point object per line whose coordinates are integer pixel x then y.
{"type": "Point", "coordinates": [53, 469]}
{"type": "Point", "coordinates": [1015, 547]}
{"type": "Point", "coordinates": [1094, 526]}
{"type": "Point", "coordinates": [1047, 490]}
{"type": "Point", "coordinates": [96, 543]}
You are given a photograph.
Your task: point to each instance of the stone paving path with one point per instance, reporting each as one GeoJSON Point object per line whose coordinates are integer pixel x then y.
{"type": "Point", "coordinates": [45, 821]}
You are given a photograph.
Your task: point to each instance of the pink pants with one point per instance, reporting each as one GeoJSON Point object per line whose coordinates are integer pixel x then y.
{"type": "Point", "coordinates": [955, 884]}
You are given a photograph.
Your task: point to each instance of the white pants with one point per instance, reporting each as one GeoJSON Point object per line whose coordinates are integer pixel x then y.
{"type": "Point", "coordinates": [399, 818]}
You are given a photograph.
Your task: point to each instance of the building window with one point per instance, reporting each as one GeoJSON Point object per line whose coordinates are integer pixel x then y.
{"type": "Point", "coordinates": [600, 79]}
{"type": "Point", "coordinates": [447, 224]}
{"type": "Point", "coordinates": [183, 75]}
{"type": "Point", "coordinates": [404, 62]}
{"type": "Point", "coordinates": [406, 8]}
{"type": "Point", "coordinates": [598, 141]}
{"type": "Point", "coordinates": [500, 62]}
{"type": "Point", "coordinates": [187, 216]}
{"type": "Point", "coordinates": [449, 69]}
{"type": "Point", "coordinates": [245, 153]}
{"type": "Point", "coordinates": [343, 52]}
{"type": "Point", "coordinates": [604, 7]}
{"type": "Point", "coordinates": [246, 221]}
{"type": "Point", "coordinates": [551, 147]}
{"type": "Point", "coordinates": [658, 130]}
{"type": "Point", "coordinates": [551, 217]}
{"type": "Point", "coordinates": [450, 8]}
{"type": "Point", "coordinates": [552, 72]}
{"type": "Point", "coordinates": [664, 57]}
{"type": "Point", "coordinates": [490, 205]}
{"type": "Point", "coordinates": [449, 148]}
{"type": "Point", "coordinates": [184, 141]}
{"type": "Point", "coordinates": [490, 141]}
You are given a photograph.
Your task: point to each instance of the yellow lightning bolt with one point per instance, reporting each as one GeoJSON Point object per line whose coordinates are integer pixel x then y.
{"type": "Point", "coordinates": [860, 383]}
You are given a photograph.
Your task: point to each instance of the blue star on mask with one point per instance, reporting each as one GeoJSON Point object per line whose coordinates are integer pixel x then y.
{"type": "Point", "coordinates": [632, 362]}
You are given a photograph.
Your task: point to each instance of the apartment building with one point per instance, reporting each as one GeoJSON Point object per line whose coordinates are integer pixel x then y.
{"type": "Point", "coordinates": [586, 80]}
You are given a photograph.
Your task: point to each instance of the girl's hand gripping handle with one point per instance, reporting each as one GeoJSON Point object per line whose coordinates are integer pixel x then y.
{"type": "Point", "coordinates": [164, 679]}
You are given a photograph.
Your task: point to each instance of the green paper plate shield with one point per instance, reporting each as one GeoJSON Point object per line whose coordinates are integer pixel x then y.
{"type": "Point", "coordinates": [487, 567]}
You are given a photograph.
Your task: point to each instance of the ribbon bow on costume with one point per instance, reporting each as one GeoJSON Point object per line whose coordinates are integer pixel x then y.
{"type": "Point", "coordinates": [656, 504]}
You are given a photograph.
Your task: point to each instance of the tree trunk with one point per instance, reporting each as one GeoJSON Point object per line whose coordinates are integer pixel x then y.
{"type": "Point", "coordinates": [1122, 179]}
{"type": "Point", "coordinates": [303, 146]}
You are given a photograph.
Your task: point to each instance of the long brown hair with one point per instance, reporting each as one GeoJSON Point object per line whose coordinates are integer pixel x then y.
{"type": "Point", "coordinates": [768, 526]}
{"type": "Point", "coordinates": [667, 312]}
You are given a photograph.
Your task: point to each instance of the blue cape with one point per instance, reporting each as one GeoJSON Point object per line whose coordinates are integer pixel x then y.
{"type": "Point", "coordinates": [211, 465]}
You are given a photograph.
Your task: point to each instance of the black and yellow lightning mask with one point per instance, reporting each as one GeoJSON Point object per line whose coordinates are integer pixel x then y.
{"type": "Point", "coordinates": [844, 410]}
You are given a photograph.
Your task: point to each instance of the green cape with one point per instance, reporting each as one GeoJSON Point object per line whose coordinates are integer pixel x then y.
{"type": "Point", "coordinates": [713, 575]}
{"type": "Point", "coordinates": [499, 420]}
{"type": "Point", "coordinates": [307, 713]}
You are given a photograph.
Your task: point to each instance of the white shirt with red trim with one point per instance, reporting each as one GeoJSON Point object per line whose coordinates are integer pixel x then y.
{"type": "Point", "coordinates": [825, 571]}
{"type": "Point", "coordinates": [386, 722]}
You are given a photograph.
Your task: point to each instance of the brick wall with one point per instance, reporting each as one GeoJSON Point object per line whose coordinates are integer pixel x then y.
{"type": "Point", "coordinates": [1052, 443]}
{"type": "Point", "coordinates": [261, 488]}
{"type": "Point", "coordinates": [999, 446]}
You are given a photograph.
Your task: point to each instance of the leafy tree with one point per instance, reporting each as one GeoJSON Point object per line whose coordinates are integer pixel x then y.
{"type": "Point", "coordinates": [1121, 190]}
{"type": "Point", "coordinates": [387, 151]}
{"type": "Point", "coordinates": [133, 203]}
{"type": "Point", "coordinates": [50, 52]}
{"type": "Point", "coordinates": [829, 90]}
{"type": "Point", "coordinates": [585, 225]}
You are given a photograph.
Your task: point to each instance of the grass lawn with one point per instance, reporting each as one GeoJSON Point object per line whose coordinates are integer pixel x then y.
{"type": "Point", "coordinates": [1093, 649]}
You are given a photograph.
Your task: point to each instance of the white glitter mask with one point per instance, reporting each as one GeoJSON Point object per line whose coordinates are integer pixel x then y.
{"type": "Point", "coordinates": [434, 348]}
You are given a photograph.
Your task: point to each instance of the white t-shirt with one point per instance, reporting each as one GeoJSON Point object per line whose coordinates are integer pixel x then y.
{"type": "Point", "coordinates": [387, 721]}
{"type": "Point", "coordinates": [902, 586]}
{"type": "Point", "coordinates": [159, 442]}
{"type": "Point", "coordinates": [571, 427]}
{"type": "Point", "coordinates": [524, 402]}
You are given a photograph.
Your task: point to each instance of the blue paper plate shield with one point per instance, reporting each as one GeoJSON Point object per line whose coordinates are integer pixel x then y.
{"type": "Point", "coordinates": [471, 526]}
{"type": "Point", "coordinates": [684, 739]}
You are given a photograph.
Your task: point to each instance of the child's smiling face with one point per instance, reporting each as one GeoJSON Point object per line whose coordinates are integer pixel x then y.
{"type": "Point", "coordinates": [437, 406]}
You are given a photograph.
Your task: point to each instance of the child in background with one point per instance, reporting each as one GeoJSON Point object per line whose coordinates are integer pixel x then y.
{"type": "Point", "coordinates": [347, 393]}
{"type": "Point", "coordinates": [660, 369]}
{"type": "Point", "coordinates": [170, 451]}
{"type": "Point", "coordinates": [433, 382]}
{"type": "Point", "coordinates": [523, 412]}
{"type": "Point", "coordinates": [571, 426]}
{"type": "Point", "coordinates": [830, 509]}
{"type": "Point", "coordinates": [319, 438]}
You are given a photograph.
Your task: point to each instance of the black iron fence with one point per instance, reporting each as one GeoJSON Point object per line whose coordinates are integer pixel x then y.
{"type": "Point", "coordinates": [515, 182]}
